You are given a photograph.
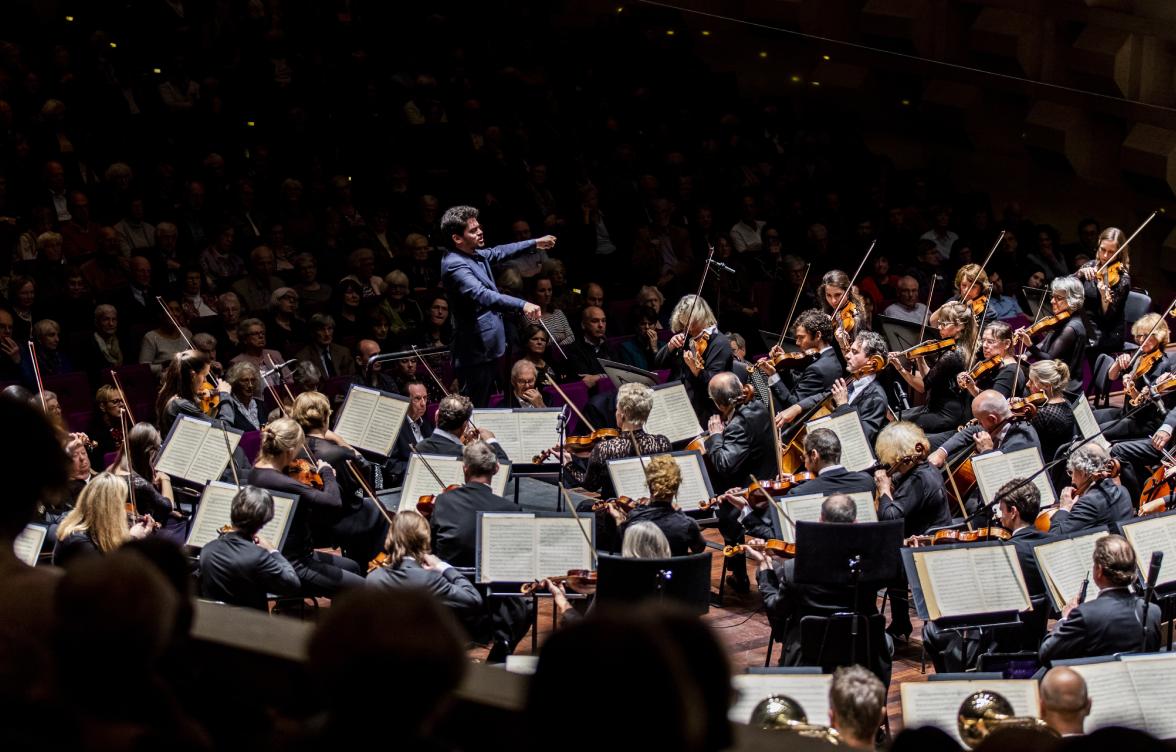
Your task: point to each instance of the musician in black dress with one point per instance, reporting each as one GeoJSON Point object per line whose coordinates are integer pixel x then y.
{"type": "Point", "coordinates": [1054, 422]}
{"type": "Point", "coordinates": [682, 533]}
{"type": "Point", "coordinates": [1066, 342]}
{"type": "Point", "coordinates": [1105, 298]}
{"type": "Point", "coordinates": [695, 331]}
{"type": "Point", "coordinates": [972, 287]}
{"type": "Point", "coordinates": [1001, 371]}
{"type": "Point", "coordinates": [944, 408]}
{"type": "Point", "coordinates": [1138, 371]}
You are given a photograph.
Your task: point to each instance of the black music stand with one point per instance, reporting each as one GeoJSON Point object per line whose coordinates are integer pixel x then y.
{"type": "Point", "coordinates": [684, 579]}
{"type": "Point", "coordinates": [858, 555]}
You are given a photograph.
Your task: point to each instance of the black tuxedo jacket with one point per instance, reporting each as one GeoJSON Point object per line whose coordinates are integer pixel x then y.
{"type": "Point", "coordinates": [812, 384]}
{"type": "Point", "coordinates": [919, 500]}
{"type": "Point", "coordinates": [402, 449]}
{"type": "Point", "coordinates": [1021, 435]}
{"type": "Point", "coordinates": [438, 444]}
{"type": "Point", "coordinates": [762, 523]}
{"type": "Point", "coordinates": [455, 521]}
{"type": "Point", "coordinates": [1106, 625]}
{"type": "Point", "coordinates": [870, 405]}
{"type": "Point", "coordinates": [1103, 503]}
{"type": "Point", "coordinates": [744, 448]}
{"type": "Point", "coordinates": [449, 587]}
{"type": "Point", "coordinates": [717, 358]}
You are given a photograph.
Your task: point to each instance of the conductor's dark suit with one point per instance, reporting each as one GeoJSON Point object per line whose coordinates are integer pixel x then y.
{"type": "Point", "coordinates": [1108, 624]}
{"type": "Point", "coordinates": [717, 358]}
{"type": "Point", "coordinates": [1103, 503]}
{"type": "Point", "coordinates": [835, 479]}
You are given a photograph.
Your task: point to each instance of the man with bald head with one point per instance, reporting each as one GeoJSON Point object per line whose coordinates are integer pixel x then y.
{"type": "Point", "coordinates": [373, 375]}
{"type": "Point", "coordinates": [585, 353]}
{"type": "Point", "coordinates": [1064, 701]}
{"type": "Point", "coordinates": [908, 307]}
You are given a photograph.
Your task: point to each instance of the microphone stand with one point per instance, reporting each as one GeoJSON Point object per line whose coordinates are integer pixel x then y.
{"type": "Point", "coordinates": [561, 441]}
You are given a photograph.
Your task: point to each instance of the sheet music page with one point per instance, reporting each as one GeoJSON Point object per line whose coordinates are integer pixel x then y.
{"type": "Point", "coordinates": [1065, 564]}
{"type": "Point", "coordinates": [1113, 698]}
{"type": "Point", "coordinates": [387, 418]}
{"type": "Point", "coordinates": [182, 447]}
{"type": "Point", "coordinates": [283, 508]}
{"type": "Point", "coordinates": [507, 547]}
{"type": "Point", "coordinates": [1087, 424]}
{"type": "Point", "coordinates": [418, 481]}
{"type": "Point", "coordinates": [1006, 589]}
{"type": "Point", "coordinates": [694, 488]}
{"type": "Point", "coordinates": [500, 479]}
{"type": "Point", "coordinates": [1084, 553]}
{"type": "Point", "coordinates": [812, 692]}
{"type": "Point", "coordinates": [855, 450]}
{"type": "Point", "coordinates": [537, 431]}
{"type": "Point", "coordinates": [805, 508]}
{"type": "Point", "coordinates": [938, 703]}
{"type": "Point", "coordinates": [504, 424]}
{"type": "Point", "coordinates": [992, 471]}
{"type": "Point", "coordinates": [213, 457]}
{"type": "Point", "coordinates": [628, 477]}
{"type": "Point", "coordinates": [213, 512]}
{"type": "Point", "coordinates": [28, 544]}
{"type": "Point", "coordinates": [1024, 463]}
{"type": "Point", "coordinates": [561, 546]}
{"type": "Point", "coordinates": [951, 577]}
{"type": "Point", "coordinates": [672, 415]}
{"type": "Point", "coordinates": [1148, 536]}
{"type": "Point", "coordinates": [1151, 676]}
{"type": "Point", "coordinates": [355, 414]}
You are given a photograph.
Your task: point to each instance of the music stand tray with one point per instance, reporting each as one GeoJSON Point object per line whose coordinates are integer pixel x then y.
{"type": "Point", "coordinates": [840, 554]}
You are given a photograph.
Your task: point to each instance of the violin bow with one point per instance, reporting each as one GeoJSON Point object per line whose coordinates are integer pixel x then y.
{"type": "Point", "coordinates": [363, 484]}
{"type": "Point", "coordinates": [551, 338]}
{"type": "Point", "coordinates": [571, 404]}
{"type": "Point", "coordinates": [126, 451]}
{"type": "Point", "coordinates": [980, 333]}
{"type": "Point", "coordinates": [927, 313]}
{"type": "Point", "coordinates": [991, 253]}
{"type": "Point", "coordinates": [853, 279]}
{"type": "Point", "coordinates": [640, 459]}
{"type": "Point", "coordinates": [437, 381]}
{"type": "Point", "coordinates": [229, 449]}
{"type": "Point", "coordinates": [1126, 243]}
{"type": "Point", "coordinates": [1021, 357]}
{"type": "Point", "coordinates": [698, 295]}
{"type": "Point", "coordinates": [274, 368]}
{"type": "Point", "coordinates": [1167, 312]}
{"type": "Point", "coordinates": [122, 395]}
{"type": "Point", "coordinates": [779, 505]}
{"type": "Point", "coordinates": [425, 462]}
{"type": "Point", "coordinates": [579, 525]}
{"type": "Point", "coordinates": [795, 301]}
{"type": "Point", "coordinates": [37, 373]}
{"type": "Point", "coordinates": [176, 324]}
{"type": "Point", "coordinates": [776, 437]}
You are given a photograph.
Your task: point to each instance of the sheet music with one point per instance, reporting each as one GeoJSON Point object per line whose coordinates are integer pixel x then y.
{"type": "Point", "coordinates": [1087, 424]}
{"type": "Point", "coordinates": [182, 445]}
{"type": "Point", "coordinates": [1065, 564]}
{"type": "Point", "coordinates": [560, 546]}
{"type": "Point", "coordinates": [807, 508]}
{"type": "Point", "coordinates": [811, 691]}
{"type": "Point", "coordinates": [1151, 677]}
{"type": "Point", "coordinates": [1112, 694]}
{"type": "Point", "coordinates": [938, 703]}
{"type": "Point", "coordinates": [28, 544]}
{"type": "Point", "coordinates": [506, 547]}
{"type": "Point", "coordinates": [994, 469]}
{"type": "Point", "coordinates": [1149, 535]}
{"type": "Point", "coordinates": [418, 481]}
{"type": "Point", "coordinates": [355, 414]}
{"type": "Point", "coordinates": [951, 575]}
{"type": "Point", "coordinates": [371, 419]}
{"type": "Point", "coordinates": [522, 433]}
{"type": "Point", "coordinates": [695, 487]}
{"type": "Point", "coordinates": [213, 457]}
{"type": "Point", "coordinates": [628, 477]}
{"type": "Point", "coordinates": [855, 450]}
{"type": "Point", "coordinates": [1006, 589]}
{"type": "Point", "coordinates": [215, 511]}
{"type": "Point", "coordinates": [673, 415]}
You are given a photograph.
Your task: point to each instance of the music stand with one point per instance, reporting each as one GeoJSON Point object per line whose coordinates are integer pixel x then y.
{"type": "Point", "coordinates": [853, 555]}
{"type": "Point", "coordinates": [685, 579]}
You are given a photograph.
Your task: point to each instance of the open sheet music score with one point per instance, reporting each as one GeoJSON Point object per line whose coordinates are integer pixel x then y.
{"type": "Point", "coordinates": [994, 469]}
{"type": "Point", "coordinates": [521, 547]}
{"type": "Point", "coordinates": [1064, 563]}
{"type": "Point", "coordinates": [855, 450]}
{"type": "Point", "coordinates": [1153, 533]}
{"type": "Point", "coordinates": [371, 419]}
{"type": "Point", "coordinates": [522, 432]}
{"type": "Point", "coordinates": [807, 508]}
{"type": "Point", "coordinates": [216, 504]}
{"type": "Point", "coordinates": [195, 450]}
{"type": "Point", "coordinates": [1087, 424]}
{"type": "Point", "coordinates": [1135, 691]}
{"type": "Point", "coordinates": [628, 477]}
{"type": "Point", "coordinates": [970, 580]}
{"type": "Point", "coordinates": [811, 691]}
{"type": "Point", "coordinates": [29, 543]}
{"type": "Point", "coordinates": [938, 703]}
{"type": "Point", "coordinates": [672, 414]}
{"type": "Point", "coordinates": [418, 481]}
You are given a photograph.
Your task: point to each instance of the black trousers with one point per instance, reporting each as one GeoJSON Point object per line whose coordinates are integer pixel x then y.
{"type": "Point", "coordinates": [326, 575]}
{"type": "Point", "coordinates": [1117, 428]}
{"type": "Point", "coordinates": [477, 382]}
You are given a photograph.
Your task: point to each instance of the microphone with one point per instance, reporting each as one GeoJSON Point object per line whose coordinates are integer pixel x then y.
{"type": "Point", "coordinates": [1153, 572]}
{"type": "Point", "coordinates": [722, 267]}
{"type": "Point", "coordinates": [1085, 586]}
{"type": "Point", "coordinates": [277, 367]}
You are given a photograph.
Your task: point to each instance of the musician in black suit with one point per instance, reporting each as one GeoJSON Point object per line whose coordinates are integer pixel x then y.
{"type": "Point", "coordinates": [814, 331]}
{"type": "Point", "coordinates": [863, 395]}
{"type": "Point", "coordinates": [454, 525]}
{"type": "Point", "coordinates": [453, 422]}
{"type": "Point", "coordinates": [1095, 499]}
{"type": "Point", "coordinates": [416, 428]}
{"type": "Point", "coordinates": [694, 327]}
{"type": "Point", "coordinates": [240, 567]}
{"type": "Point", "coordinates": [1112, 622]}
{"type": "Point", "coordinates": [953, 650]}
{"type": "Point", "coordinates": [822, 459]}
{"type": "Point", "coordinates": [786, 602]}
{"type": "Point", "coordinates": [682, 533]}
{"type": "Point", "coordinates": [740, 445]}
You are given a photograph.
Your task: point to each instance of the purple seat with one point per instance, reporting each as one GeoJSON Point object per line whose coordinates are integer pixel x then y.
{"type": "Point", "coordinates": [250, 444]}
{"type": "Point", "coordinates": [73, 392]}
{"type": "Point", "coordinates": [140, 386]}
{"type": "Point", "coordinates": [496, 400]}
{"type": "Point", "coordinates": [662, 375]}
{"type": "Point", "coordinates": [336, 386]}
{"type": "Point", "coordinates": [616, 342]}
{"type": "Point", "coordinates": [577, 392]}
{"type": "Point", "coordinates": [109, 458]}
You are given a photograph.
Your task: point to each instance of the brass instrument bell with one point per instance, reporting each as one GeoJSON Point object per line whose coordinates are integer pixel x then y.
{"type": "Point", "coordinates": [984, 711]}
{"type": "Point", "coordinates": [782, 713]}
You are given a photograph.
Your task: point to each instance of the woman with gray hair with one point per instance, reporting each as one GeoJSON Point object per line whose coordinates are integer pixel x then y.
{"type": "Point", "coordinates": [634, 403]}
{"type": "Point", "coordinates": [696, 353]}
{"type": "Point", "coordinates": [238, 409]}
{"type": "Point", "coordinates": [1095, 499]}
{"type": "Point", "coordinates": [1067, 341]}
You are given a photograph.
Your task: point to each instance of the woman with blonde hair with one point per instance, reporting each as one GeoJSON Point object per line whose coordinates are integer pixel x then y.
{"type": "Point", "coordinates": [411, 564]}
{"type": "Point", "coordinates": [98, 523]}
{"type": "Point", "coordinates": [971, 284]}
{"type": "Point", "coordinates": [321, 574]}
{"type": "Point", "coordinates": [944, 408]}
{"type": "Point", "coordinates": [1138, 370]}
{"type": "Point", "coordinates": [664, 477]}
{"type": "Point", "coordinates": [1106, 303]}
{"type": "Point", "coordinates": [1054, 421]}
{"type": "Point", "coordinates": [696, 352]}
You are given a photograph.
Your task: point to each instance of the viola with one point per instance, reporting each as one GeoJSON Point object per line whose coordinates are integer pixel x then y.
{"type": "Point", "coordinates": [783, 360]}
{"type": "Point", "coordinates": [948, 537]}
{"type": "Point", "coordinates": [1111, 470]}
{"type": "Point", "coordinates": [1025, 408]}
{"type": "Point", "coordinates": [1158, 389]}
{"type": "Point", "coordinates": [426, 503]}
{"type": "Point", "coordinates": [1047, 323]}
{"type": "Point", "coordinates": [577, 444]}
{"type": "Point", "coordinates": [984, 366]}
{"type": "Point", "coordinates": [376, 563]}
{"type": "Point", "coordinates": [848, 317]}
{"type": "Point", "coordinates": [1157, 490]}
{"type": "Point", "coordinates": [978, 304]}
{"type": "Point", "coordinates": [778, 547]}
{"type": "Point", "coordinates": [580, 580]}
{"type": "Point", "coordinates": [305, 473]}
{"type": "Point", "coordinates": [927, 348]}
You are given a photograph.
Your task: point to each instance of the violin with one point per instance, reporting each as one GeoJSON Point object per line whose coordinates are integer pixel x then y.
{"type": "Point", "coordinates": [577, 444]}
{"type": "Point", "coordinates": [948, 537]}
{"type": "Point", "coordinates": [783, 360]}
{"type": "Point", "coordinates": [1047, 323]}
{"type": "Point", "coordinates": [305, 473]}
{"type": "Point", "coordinates": [624, 503]}
{"type": "Point", "coordinates": [1111, 470]}
{"type": "Point", "coordinates": [1157, 389]}
{"type": "Point", "coordinates": [1157, 490]}
{"type": "Point", "coordinates": [1111, 275]}
{"type": "Point", "coordinates": [848, 317]}
{"type": "Point", "coordinates": [978, 304]}
{"type": "Point", "coordinates": [770, 487]}
{"type": "Point", "coordinates": [778, 547]}
{"type": "Point", "coordinates": [927, 348]}
{"type": "Point", "coordinates": [1147, 362]}
{"type": "Point", "coordinates": [984, 366]}
{"type": "Point", "coordinates": [376, 563]}
{"type": "Point", "coordinates": [579, 580]}
{"type": "Point", "coordinates": [699, 345]}
{"type": "Point", "coordinates": [1025, 408]}
{"type": "Point", "coordinates": [426, 503]}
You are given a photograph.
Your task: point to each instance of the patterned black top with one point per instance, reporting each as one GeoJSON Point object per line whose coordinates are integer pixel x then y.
{"type": "Point", "coordinates": [1054, 424]}
{"type": "Point", "coordinates": [594, 476]}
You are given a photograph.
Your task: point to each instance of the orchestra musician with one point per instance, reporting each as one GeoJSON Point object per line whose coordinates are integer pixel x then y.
{"type": "Point", "coordinates": [1105, 298]}
{"type": "Point", "coordinates": [183, 380]}
{"type": "Point", "coordinates": [996, 341]}
{"type": "Point", "coordinates": [1054, 421]}
{"type": "Point", "coordinates": [822, 460]}
{"type": "Point", "coordinates": [1112, 622]}
{"type": "Point", "coordinates": [857, 707]}
{"type": "Point", "coordinates": [240, 567]}
{"type": "Point", "coordinates": [971, 284]}
{"type": "Point", "coordinates": [454, 526]}
{"type": "Point", "coordinates": [953, 651]}
{"type": "Point", "coordinates": [416, 428]}
{"type": "Point", "coordinates": [1095, 499]}
{"type": "Point", "coordinates": [834, 301]}
{"type": "Point", "coordinates": [1137, 455]}
{"type": "Point", "coordinates": [453, 426]}
{"type": "Point", "coordinates": [697, 352]}
{"type": "Point", "coordinates": [944, 409]}
{"type": "Point", "coordinates": [634, 403]}
{"type": "Point", "coordinates": [863, 395]}
{"type": "Point", "coordinates": [1066, 343]}
{"type": "Point", "coordinates": [1064, 701]}
{"type": "Point", "coordinates": [664, 478]}
{"type": "Point", "coordinates": [740, 445]}
{"type": "Point", "coordinates": [152, 489]}
{"type": "Point", "coordinates": [1149, 365]}
{"type": "Point", "coordinates": [814, 331]}
{"type": "Point", "coordinates": [98, 523]}
{"type": "Point", "coordinates": [321, 574]}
